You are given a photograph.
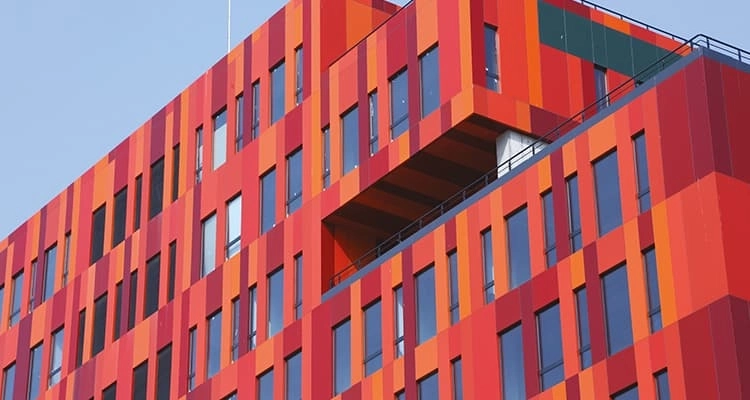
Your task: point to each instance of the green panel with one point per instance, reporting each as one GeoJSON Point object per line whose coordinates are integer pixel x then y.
{"type": "Point", "coordinates": [600, 44]}
{"type": "Point", "coordinates": [619, 52]}
{"type": "Point", "coordinates": [644, 54]}
{"type": "Point", "coordinates": [578, 36]}
{"type": "Point", "coordinates": [551, 26]}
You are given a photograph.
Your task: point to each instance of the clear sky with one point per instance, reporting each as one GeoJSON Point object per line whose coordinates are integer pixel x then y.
{"type": "Point", "coordinates": [78, 76]}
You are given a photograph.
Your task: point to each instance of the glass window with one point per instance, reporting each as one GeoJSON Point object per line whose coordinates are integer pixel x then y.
{"type": "Point", "coordinates": [32, 289]}
{"type": "Point", "coordinates": [550, 251]}
{"type": "Point", "coordinates": [175, 171]}
{"type": "Point", "coordinates": [342, 349]}
{"type": "Point", "coordinates": [400, 395]}
{"type": "Point", "coordinates": [491, 69]}
{"type": "Point", "coordinates": [293, 181]}
{"type": "Point", "coordinates": [208, 245]}
{"type": "Point", "coordinates": [118, 311]}
{"type": "Point", "coordinates": [627, 394]}
{"type": "Point", "coordinates": [549, 336]}
{"type": "Point", "coordinates": [234, 226]}
{"type": "Point", "coordinates": [326, 136]}
{"type": "Point", "coordinates": [453, 272]}
{"type": "Point", "coordinates": [118, 221]}
{"type": "Point", "coordinates": [488, 266]}
{"type": "Point", "coordinates": [156, 188]}
{"type": "Point", "coordinates": [511, 359]}
{"type": "Point", "coordinates": [66, 259]}
{"type": "Point", "coordinates": [277, 91]}
{"type": "Point", "coordinates": [110, 392]}
{"type": "Point", "coordinates": [193, 360]}
{"type": "Point", "coordinates": [81, 337]}
{"type": "Point", "coordinates": [662, 385]}
{"type": "Point", "coordinates": [641, 172]}
{"type": "Point", "coordinates": [574, 214]}
{"type": "Point", "coordinates": [298, 282]}
{"type": "Point", "coordinates": [137, 201]}
{"type": "Point", "coordinates": [275, 301]}
{"type": "Point", "coordinates": [373, 339]}
{"type": "Point", "coordinates": [600, 84]}
{"type": "Point", "coordinates": [253, 320]}
{"type": "Point", "coordinates": [255, 127]}
{"type": "Point", "coordinates": [235, 350]}
{"type": "Point", "coordinates": [164, 372]}
{"type": "Point", "coordinates": [584, 340]}
{"type": "Point", "coordinates": [458, 380]}
{"type": "Point", "coordinates": [220, 139]}
{"type": "Point", "coordinates": [429, 74]}
{"type": "Point", "coordinates": [373, 102]}
{"type": "Point", "coordinates": [398, 315]}
{"type": "Point", "coordinates": [213, 349]}
{"type": "Point", "coordinates": [232, 396]}
{"type": "Point", "coordinates": [55, 361]}
{"type": "Point", "coordinates": [518, 247]}
{"type": "Point", "coordinates": [153, 276]}
{"type": "Point", "coordinates": [35, 372]}
{"type": "Point", "coordinates": [617, 309]}
{"type": "Point", "coordinates": [100, 324]}
{"type": "Point", "coordinates": [350, 138]}
{"type": "Point", "coordinates": [172, 270]}
{"type": "Point", "coordinates": [199, 154]}
{"type": "Point", "coordinates": [132, 299]}
{"type": "Point", "coordinates": [98, 220]}
{"type": "Point", "coordinates": [607, 185]}
{"type": "Point", "coordinates": [50, 267]}
{"type": "Point", "coordinates": [298, 74]}
{"type": "Point", "coordinates": [265, 385]}
{"type": "Point", "coordinates": [428, 387]}
{"type": "Point", "coordinates": [426, 315]}
{"type": "Point", "coordinates": [399, 84]}
{"type": "Point", "coordinates": [268, 201]}
{"type": "Point", "coordinates": [16, 295]}
{"type": "Point", "coordinates": [294, 377]}
{"type": "Point", "coordinates": [9, 381]}
{"type": "Point", "coordinates": [239, 124]}
{"type": "Point", "coordinates": [140, 381]}
{"type": "Point", "coordinates": [652, 284]}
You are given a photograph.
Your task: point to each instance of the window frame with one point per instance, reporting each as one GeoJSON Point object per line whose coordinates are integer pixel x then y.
{"type": "Point", "coordinates": [399, 123]}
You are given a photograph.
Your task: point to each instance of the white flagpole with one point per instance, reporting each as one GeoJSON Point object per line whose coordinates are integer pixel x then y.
{"type": "Point", "coordinates": [229, 25]}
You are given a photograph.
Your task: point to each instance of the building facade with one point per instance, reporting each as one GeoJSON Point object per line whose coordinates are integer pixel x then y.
{"type": "Point", "coordinates": [450, 200]}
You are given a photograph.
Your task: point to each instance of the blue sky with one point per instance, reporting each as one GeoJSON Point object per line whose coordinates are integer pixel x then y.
{"type": "Point", "coordinates": [78, 76]}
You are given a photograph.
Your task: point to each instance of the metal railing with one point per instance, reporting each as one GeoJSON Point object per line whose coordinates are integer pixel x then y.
{"type": "Point", "coordinates": [522, 156]}
{"type": "Point", "coordinates": [633, 21]}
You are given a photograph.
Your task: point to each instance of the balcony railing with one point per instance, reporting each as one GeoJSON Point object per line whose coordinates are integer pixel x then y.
{"type": "Point", "coordinates": [633, 21]}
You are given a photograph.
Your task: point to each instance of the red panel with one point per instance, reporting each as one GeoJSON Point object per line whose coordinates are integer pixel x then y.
{"type": "Point", "coordinates": [696, 340]}
{"type": "Point", "coordinates": [673, 123]}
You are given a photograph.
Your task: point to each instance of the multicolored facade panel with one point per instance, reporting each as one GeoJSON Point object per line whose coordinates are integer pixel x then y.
{"type": "Point", "coordinates": [218, 250]}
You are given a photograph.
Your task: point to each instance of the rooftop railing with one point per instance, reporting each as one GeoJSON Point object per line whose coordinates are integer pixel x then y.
{"type": "Point", "coordinates": [633, 21]}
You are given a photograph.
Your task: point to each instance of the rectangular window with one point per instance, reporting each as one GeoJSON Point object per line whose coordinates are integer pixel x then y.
{"type": "Point", "coordinates": [98, 220]}
{"type": "Point", "coordinates": [193, 357]}
{"type": "Point", "coordinates": [275, 301]}
{"type": "Point", "coordinates": [550, 250]}
{"type": "Point", "coordinates": [350, 138]}
{"type": "Point", "coordinates": [118, 311]}
{"type": "Point", "coordinates": [199, 154]}
{"type": "Point", "coordinates": [32, 289]}
{"type": "Point", "coordinates": [175, 172]}
{"type": "Point", "coordinates": [662, 385]}
{"type": "Point", "coordinates": [132, 299]}
{"type": "Point", "coordinates": [458, 380]}
{"type": "Point", "coordinates": [16, 296]}
{"type": "Point", "coordinates": [342, 350]}
{"type": "Point", "coordinates": [519, 254]}
{"type": "Point", "coordinates": [140, 381]}
{"type": "Point", "coordinates": [110, 392]}
{"type": "Point", "coordinates": [9, 382]}
{"type": "Point", "coordinates": [219, 139]}
{"type": "Point", "coordinates": [488, 266]}
{"type": "Point", "coordinates": [373, 102]}
{"type": "Point", "coordinates": [298, 282]}
{"type": "Point", "coordinates": [81, 337]}
{"type": "Point", "coordinates": [491, 69]}
{"type": "Point", "coordinates": [584, 340]}
{"type": "Point", "coordinates": [652, 284]}
{"type": "Point", "coordinates": [164, 372]}
{"type": "Point", "coordinates": [326, 157]}
{"type": "Point", "coordinates": [298, 74]}
{"type": "Point", "coordinates": [453, 276]}
{"type": "Point", "coordinates": [373, 339]}
{"type": "Point", "coordinates": [627, 394]}
{"type": "Point", "coordinates": [253, 320]}
{"type": "Point", "coordinates": [50, 268]}
{"type": "Point", "coordinates": [429, 82]}
{"type": "Point", "coordinates": [120, 214]}
{"type": "Point", "coordinates": [100, 324]}
{"type": "Point", "coordinates": [268, 201]}
{"type": "Point", "coordinates": [549, 337]}
{"type": "Point", "coordinates": [641, 172]}
{"type": "Point", "coordinates": [398, 315]}
{"type": "Point", "coordinates": [35, 372]}
{"type": "Point", "coordinates": [600, 85]}
{"type": "Point", "coordinates": [239, 124]}
{"type": "Point", "coordinates": [511, 359]}
{"type": "Point", "coordinates": [234, 227]}
{"type": "Point", "coordinates": [400, 395]}
{"type": "Point", "coordinates": [278, 88]}
{"type": "Point", "coordinates": [607, 186]}
{"type": "Point", "coordinates": [66, 260]}
{"type": "Point", "coordinates": [255, 127]}
{"type": "Point", "coordinates": [617, 309]}
{"type": "Point", "coordinates": [428, 387]}
{"type": "Point", "coordinates": [265, 385]}
{"type": "Point", "coordinates": [235, 350]}
{"type": "Point", "coordinates": [208, 245]}
{"type": "Point", "coordinates": [574, 214]}
{"type": "Point", "coordinates": [172, 270]}
{"type": "Point", "coordinates": [399, 84]}
{"type": "Point", "coordinates": [153, 278]}
{"type": "Point", "coordinates": [293, 181]}
{"type": "Point", "coordinates": [137, 201]}
{"type": "Point", "coordinates": [156, 188]}
{"type": "Point", "coordinates": [294, 377]}
{"type": "Point", "coordinates": [426, 315]}
{"type": "Point", "coordinates": [213, 348]}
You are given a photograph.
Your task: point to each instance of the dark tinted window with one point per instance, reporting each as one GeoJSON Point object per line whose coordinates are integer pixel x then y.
{"type": "Point", "coordinates": [550, 251]}
{"type": "Point", "coordinates": [255, 127]}
{"type": "Point", "coordinates": [268, 201]}
{"type": "Point", "coordinates": [132, 299]}
{"type": "Point", "coordinates": [253, 320]}
{"type": "Point", "coordinates": [584, 340]}
{"type": "Point", "coordinates": [172, 270]}
{"type": "Point", "coordinates": [350, 138]}
{"type": "Point", "coordinates": [118, 311]}
{"type": "Point", "coordinates": [399, 84]}
{"type": "Point", "coordinates": [453, 272]}
{"type": "Point", "coordinates": [488, 267]}
{"type": "Point", "coordinates": [16, 296]}
{"type": "Point", "coordinates": [100, 324]}
{"type": "Point", "coordinates": [629, 394]}
{"type": "Point", "coordinates": [426, 315]}
{"type": "Point", "coordinates": [277, 92]}
{"type": "Point", "coordinates": [137, 201]}
{"type": "Point", "coordinates": [429, 74]}
{"type": "Point", "coordinates": [600, 85]}
{"type": "Point", "coordinates": [607, 183]}
{"type": "Point", "coordinates": [373, 103]}
{"type": "Point", "coordinates": [373, 338]}
{"type": "Point", "coordinates": [641, 171]}
{"type": "Point", "coordinates": [156, 189]}
{"type": "Point", "coordinates": [326, 137]}
{"type": "Point", "coordinates": [98, 220]}
{"type": "Point", "coordinates": [511, 359]}
{"type": "Point", "coordinates": [518, 247]}
{"type": "Point", "coordinates": [293, 181]}
{"type": "Point", "coordinates": [192, 357]}
{"type": "Point", "coordinates": [574, 214]}
{"type": "Point", "coordinates": [153, 276]}
{"type": "Point", "coordinates": [175, 171]}
{"type": "Point", "coordinates": [35, 372]}
{"type": "Point", "coordinates": [298, 282]}
{"type": "Point", "coordinates": [428, 387]}
{"type": "Point", "coordinates": [50, 269]}
{"type": "Point", "coordinates": [110, 392]}
{"type": "Point", "coordinates": [235, 350]}
{"type": "Point", "coordinates": [81, 337]}
{"type": "Point", "coordinates": [617, 309]}
{"type": "Point", "coordinates": [662, 385]}
{"type": "Point", "coordinates": [140, 381]}
{"type": "Point", "coordinates": [342, 349]}
{"type": "Point", "coordinates": [213, 350]}
{"type": "Point", "coordinates": [199, 154]}
{"type": "Point", "coordinates": [298, 74]}
{"type": "Point", "coordinates": [549, 336]}
{"type": "Point", "coordinates": [491, 60]}
{"type": "Point", "coordinates": [294, 377]}
{"type": "Point", "coordinates": [275, 302]}
{"type": "Point", "coordinates": [163, 373]}
{"type": "Point", "coordinates": [239, 117]}
{"type": "Point", "coordinates": [265, 386]}
{"type": "Point", "coordinates": [652, 284]}
{"type": "Point", "coordinates": [121, 210]}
